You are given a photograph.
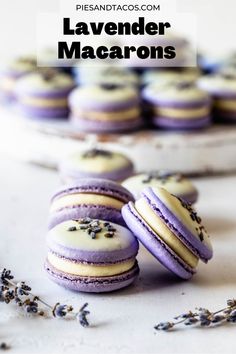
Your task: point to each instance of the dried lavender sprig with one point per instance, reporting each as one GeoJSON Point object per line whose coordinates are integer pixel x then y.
{"type": "Point", "coordinates": [203, 317]}
{"type": "Point", "coordinates": [23, 297]}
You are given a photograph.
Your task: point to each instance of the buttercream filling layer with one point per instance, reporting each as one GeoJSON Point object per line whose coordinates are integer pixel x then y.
{"type": "Point", "coordinates": [185, 113]}
{"type": "Point", "coordinates": [163, 231]}
{"type": "Point", "coordinates": [90, 270]}
{"type": "Point", "coordinates": [85, 198]}
{"type": "Point", "coordinates": [131, 113]}
{"type": "Point", "coordinates": [44, 102]}
{"type": "Point", "coordinates": [225, 104]}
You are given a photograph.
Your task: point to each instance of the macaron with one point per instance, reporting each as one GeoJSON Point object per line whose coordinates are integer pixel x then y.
{"type": "Point", "coordinates": [105, 74]}
{"type": "Point", "coordinates": [222, 88]}
{"type": "Point", "coordinates": [174, 183]}
{"type": "Point", "coordinates": [11, 72]}
{"type": "Point", "coordinates": [170, 229]}
{"type": "Point", "coordinates": [169, 76]}
{"type": "Point", "coordinates": [91, 255]}
{"type": "Point", "coordinates": [97, 163]}
{"type": "Point", "coordinates": [89, 197]}
{"type": "Point", "coordinates": [44, 94]}
{"type": "Point", "coordinates": [105, 108]}
{"type": "Point", "coordinates": [179, 105]}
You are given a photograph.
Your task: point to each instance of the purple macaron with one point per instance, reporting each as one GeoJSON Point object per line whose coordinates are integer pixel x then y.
{"type": "Point", "coordinates": [10, 74]}
{"type": "Point", "coordinates": [91, 255]}
{"type": "Point", "coordinates": [105, 108]}
{"type": "Point", "coordinates": [96, 163]}
{"type": "Point", "coordinates": [44, 94]}
{"type": "Point", "coordinates": [222, 88]}
{"type": "Point", "coordinates": [178, 105]}
{"type": "Point", "coordinates": [170, 229]}
{"type": "Point", "coordinates": [89, 197]}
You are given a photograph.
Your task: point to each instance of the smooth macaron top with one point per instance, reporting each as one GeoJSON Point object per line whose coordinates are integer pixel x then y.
{"type": "Point", "coordinates": [92, 240]}
{"type": "Point", "coordinates": [43, 82]}
{"type": "Point", "coordinates": [181, 219]}
{"type": "Point", "coordinates": [95, 186]}
{"type": "Point", "coordinates": [167, 76]}
{"type": "Point", "coordinates": [96, 161]}
{"type": "Point", "coordinates": [106, 75]}
{"type": "Point", "coordinates": [174, 183]}
{"type": "Point", "coordinates": [103, 97]}
{"type": "Point", "coordinates": [224, 83]}
{"type": "Point", "coordinates": [181, 93]}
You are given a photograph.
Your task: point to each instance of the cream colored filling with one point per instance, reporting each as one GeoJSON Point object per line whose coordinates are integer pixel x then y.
{"type": "Point", "coordinates": [85, 198]}
{"type": "Point", "coordinates": [44, 102]}
{"type": "Point", "coordinates": [225, 104]}
{"type": "Point", "coordinates": [182, 113]}
{"type": "Point", "coordinates": [120, 115]}
{"type": "Point", "coordinates": [160, 228]}
{"type": "Point", "coordinates": [88, 270]}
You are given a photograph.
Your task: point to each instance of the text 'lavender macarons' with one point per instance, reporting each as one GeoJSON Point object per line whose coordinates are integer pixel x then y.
{"type": "Point", "coordinates": [170, 229]}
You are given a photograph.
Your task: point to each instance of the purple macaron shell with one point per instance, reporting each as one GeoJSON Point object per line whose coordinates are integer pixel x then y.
{"type": "Point", "coordinates": [176, 226]}
{"type": "Point", "coordinates": [95, 186]}
{"type": "Point", "coordinates": [92, 284]}
{"type": "Point", "coordinates": [105, 106]}
{"type": "Point", "coordinates": [158, 248]}
{"type": "Point", "coordinates": [54, 94]}
{"type": "Point", "coordinates": [190, 198]}
{"type": "Point", "coordinates": [37, 113]}
{"type": "Point", "coordinates": [98, 257]}
{"type": "Point", "coordinates": [67, 171]}
{"type": "Point", "coordinates": [81, 211]}
{"type": "Point", "coordinates": [98, 126]}
{"type": "Point", "coordinates": [182, 124]}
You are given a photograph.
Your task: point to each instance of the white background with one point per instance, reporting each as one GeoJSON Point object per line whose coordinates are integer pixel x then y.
{"type": "Point", "coordinates": [216, 24]}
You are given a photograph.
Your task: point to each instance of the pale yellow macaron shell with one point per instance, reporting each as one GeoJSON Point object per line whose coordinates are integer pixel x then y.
{"type": "Point", "coordinates": [162, 230]}
{"type": "Point", "coordinates": [98, 163]}
{"type": "Point", "coordinates": [80, 239]}
{"type": "Point", "coordinates": [175, 206]}
{"type": "Point", "coordinates": [174, 186]}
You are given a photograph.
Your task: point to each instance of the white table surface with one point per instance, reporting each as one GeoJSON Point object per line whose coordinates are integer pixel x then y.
{"type": "Point", "coordinates": [121, 322]}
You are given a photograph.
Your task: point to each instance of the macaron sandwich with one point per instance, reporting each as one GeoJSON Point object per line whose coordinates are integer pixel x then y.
{"type": "Point", "coordinates": [105, 108]}
{"type": "Point", "coordinates": [170, 229]}
{"type": "Point", "coordinates": [89, 197]}
{"type": "Point", "coordinates": [91, 255]}
{"type": "Point", "coordinates": [174, 183]}
{"type": "Point", "coordinates": [97, 163]}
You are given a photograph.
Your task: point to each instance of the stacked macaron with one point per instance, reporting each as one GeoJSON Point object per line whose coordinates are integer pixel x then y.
{"type": "Point", "coordinates": [178, 106]}
{"type": "Point", "coordinates": [91, 255]}
{"type": "Point", "coordinates": [12, 72]}
{"type": "Point", "coordinates": [222, 88]}
{"type": "Point", "coordinates": [89, 197]}
{"type": "Point", "coordinates": [170, 229]}
{"type": "Point", "coordinates": [97, 163]}
{"type": "Point", "coordinates": [44, 94]}
{"type": "Point", "coordinates": [105, 108]}
{"type": "Point", "coordinates": [174, 183]}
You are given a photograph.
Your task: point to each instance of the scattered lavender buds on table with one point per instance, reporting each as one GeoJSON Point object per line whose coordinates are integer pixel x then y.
{"type": "Point", "coordinates": [203, 317]}
{"type": "Point", "coordinates": [21, 294]}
